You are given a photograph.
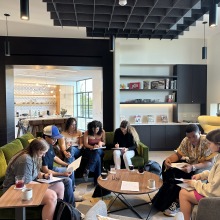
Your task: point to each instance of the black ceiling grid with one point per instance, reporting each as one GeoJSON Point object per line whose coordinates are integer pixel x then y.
{"type": "Point", "coordinates": [152, 19]}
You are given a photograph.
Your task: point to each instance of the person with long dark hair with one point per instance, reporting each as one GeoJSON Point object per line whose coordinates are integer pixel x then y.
{"type": "Point", "coordinates": [94, 140]}
{"type": "Point", "coordinates": [27, 163]}
{"type": "Point", "coordinates": [71, 143]}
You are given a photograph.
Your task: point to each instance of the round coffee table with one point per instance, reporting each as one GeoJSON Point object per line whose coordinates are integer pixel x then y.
{"type": "Point", "coordinates": [114, 181]}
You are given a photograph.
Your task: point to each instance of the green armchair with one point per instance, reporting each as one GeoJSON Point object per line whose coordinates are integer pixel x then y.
{"type": "Point", "coordinates": [137, 160]}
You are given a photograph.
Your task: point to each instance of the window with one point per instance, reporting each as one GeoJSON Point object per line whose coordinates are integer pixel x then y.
{"type": "Point", "coordinates": [84, 103]}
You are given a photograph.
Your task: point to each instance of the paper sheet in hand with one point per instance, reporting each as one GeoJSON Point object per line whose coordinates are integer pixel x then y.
{"type": "Point", "coordinates": [99, 148]}
{"type": "Point", "coordinates": [74, 165]}
{"type": "Point", "coordinates": [130, 186]}
{"type": "Point", "coordinates": [183, 180]}
{"type": "Point", "coordinates": [53, 180]}
{"type": "Point", "coordinates": [117, 148]}
{"type": "Point", "coordinates": [186, 186]}
{"type": "Point", "coordinates": [178, 165]}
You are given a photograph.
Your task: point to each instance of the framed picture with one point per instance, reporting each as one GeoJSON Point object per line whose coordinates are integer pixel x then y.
{"type": "Point", "coordinates": [164, 118]}
{"type": "Point", "coordinates": [160, 84]}
{"type": "Point", "coordinates": [134, 85]}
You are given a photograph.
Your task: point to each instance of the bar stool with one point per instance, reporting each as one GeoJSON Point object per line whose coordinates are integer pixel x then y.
{"type": "Point", "coordinates": [60, 124]}
{"type": "Point", "coordinates": [47, 122]}
{"type": "Point", "coordinates": [35, 126]}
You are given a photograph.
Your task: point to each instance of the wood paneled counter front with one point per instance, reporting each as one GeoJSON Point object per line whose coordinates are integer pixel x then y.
{"type": "Point", "coordinates": [35, 125]}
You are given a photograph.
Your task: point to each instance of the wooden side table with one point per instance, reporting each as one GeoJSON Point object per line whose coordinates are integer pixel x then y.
{"type": "Point", "coordinates": [12, 199]}
{"type": "Point", "coordinates": [132, 176]}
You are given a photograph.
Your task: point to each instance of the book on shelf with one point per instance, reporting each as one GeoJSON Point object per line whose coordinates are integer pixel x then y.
{"type": "Point", "coordinates": [146, 84]}
{"type": "Point", "coordinates": [167, 84]}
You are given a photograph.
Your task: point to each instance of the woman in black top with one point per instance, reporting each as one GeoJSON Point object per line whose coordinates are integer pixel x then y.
{"type": "Point", "coordinates": [126, 139]}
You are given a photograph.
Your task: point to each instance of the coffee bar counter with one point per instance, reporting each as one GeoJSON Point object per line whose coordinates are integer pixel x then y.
{"type": "Point", "coordinates": [35, 125]}
{"type": "Point", "coordinates": [162, 136]}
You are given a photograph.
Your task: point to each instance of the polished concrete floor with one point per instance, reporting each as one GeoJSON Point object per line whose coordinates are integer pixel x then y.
{"type": "Point", "coordinates": [86, 190]}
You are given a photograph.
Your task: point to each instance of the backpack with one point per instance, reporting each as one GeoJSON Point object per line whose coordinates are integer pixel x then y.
{"type": "Point", "coordinates": [153, 167]}
{"type": "Point", "coordinates": [65, 210]}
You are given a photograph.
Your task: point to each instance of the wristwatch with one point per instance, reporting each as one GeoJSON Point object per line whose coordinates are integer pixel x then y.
{"type": "Point", "coordinates": [193, 168]}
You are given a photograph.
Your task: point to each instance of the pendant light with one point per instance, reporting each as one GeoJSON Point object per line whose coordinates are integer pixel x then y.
{"type": "Point", "coordinates": [112, 43]}
{"type": "Point", "coordinates": [213, 13]}
{"type": "Point", "coordinates": [7, 43]}
{"type": "Point", "coordinates": [24, 9]}
{"type": "Point", "coordinates": [204, 49]}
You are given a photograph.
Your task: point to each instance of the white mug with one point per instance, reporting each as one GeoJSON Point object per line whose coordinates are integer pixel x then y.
{"type": "Point", "coordinates": [151, 183]}
{"type": "Point", "coordinates": [27, 194]}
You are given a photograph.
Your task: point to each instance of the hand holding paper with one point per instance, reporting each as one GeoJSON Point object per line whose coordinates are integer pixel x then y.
{"type": "Point", "coordinates": [74, 165]}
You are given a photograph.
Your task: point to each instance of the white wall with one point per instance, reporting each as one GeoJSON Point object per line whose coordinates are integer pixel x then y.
{"type": "Point", "coordinates": [153, 52]}
{"type": "Point", "coordinates": [213, 93]}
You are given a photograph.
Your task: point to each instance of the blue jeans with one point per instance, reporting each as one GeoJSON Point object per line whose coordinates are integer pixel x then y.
{"type": "Point", "coordinates": [67, 181]}
{"type": "Point", "coordinates": [95, 162]}
{"type": "Point", "coordinates": [75, 153]}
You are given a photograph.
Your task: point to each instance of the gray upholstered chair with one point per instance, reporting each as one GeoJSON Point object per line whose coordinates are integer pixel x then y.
{"type": "Point", "coordinates": [208, 208]}
{"type": "Point", "coordinates": [100, 209]}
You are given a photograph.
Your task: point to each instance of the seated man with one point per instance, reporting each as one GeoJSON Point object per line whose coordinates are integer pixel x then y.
{"type": "Point", "coordinates": [194, 148]}
{"type": "Point", "coordinates": [51, 134]}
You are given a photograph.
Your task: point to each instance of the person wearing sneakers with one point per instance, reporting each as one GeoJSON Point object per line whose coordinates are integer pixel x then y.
{"type": "Point", "coordinates": [51, 134]}
{"type": "Point", "coordinates": [94, 140]}
{"type": "Point", "coordinates": [198, 157]}
{"type": "Point", "coordinates": [209, 188]}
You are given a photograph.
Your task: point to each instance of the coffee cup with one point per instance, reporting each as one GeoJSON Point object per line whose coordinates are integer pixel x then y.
{"type": "Point", "coordinates": [19, 181]}
{"type": "Point", "coordinates": [104, 175]}
{"type": "Point", "coordinates": [141, 169]}
{"type": "Point", "coordinates": [27, 194]}
{"type": "Point", "coordinates": [151, 183]}
{"type": "Point", "coordinates": [131, 167]}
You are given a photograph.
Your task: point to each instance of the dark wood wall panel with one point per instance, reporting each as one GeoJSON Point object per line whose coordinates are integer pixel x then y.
{"type": "Point", "coordinates": [53, 51]}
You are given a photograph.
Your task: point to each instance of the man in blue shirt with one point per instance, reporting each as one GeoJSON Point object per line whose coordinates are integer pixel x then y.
{"type": "Point", "coordinates": [51, 134]}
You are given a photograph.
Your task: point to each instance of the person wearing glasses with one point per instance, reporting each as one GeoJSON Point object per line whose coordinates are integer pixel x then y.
{"type": "Point", "coordinates": [71, 143]}
{"type": "Point", "coordinates": [51, 134]}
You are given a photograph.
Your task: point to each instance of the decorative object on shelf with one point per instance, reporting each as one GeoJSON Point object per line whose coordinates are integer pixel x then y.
{"type": "Point", "coordinates": [164, 118]}
{"type": "Point", "coordinates": [170, 98]}
{"type": "Point", "coordinates": [137, 119]}
{"type": "Point", "coordinates": [134, 85]}
{"type": "Point", "coordinates": [63, 112]}
{"type": "Point", "coordinates": [146, 84]}
{"type": "Point", "coordinates": [122, 86]}
{"type": "Point", "coordinates": [150, 118]}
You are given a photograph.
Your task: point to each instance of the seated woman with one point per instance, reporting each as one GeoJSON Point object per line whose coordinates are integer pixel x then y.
{"type": "Point", "coordinates": [28, 163]}
{"type": "Point", "coordinates": [71, 143]}
{"type": "Point", "coordinates": [94, 139]}
{"type": "Point", "coordinates": [126, 138]}
{"type": "Point", "coordinates": [203, 189]}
